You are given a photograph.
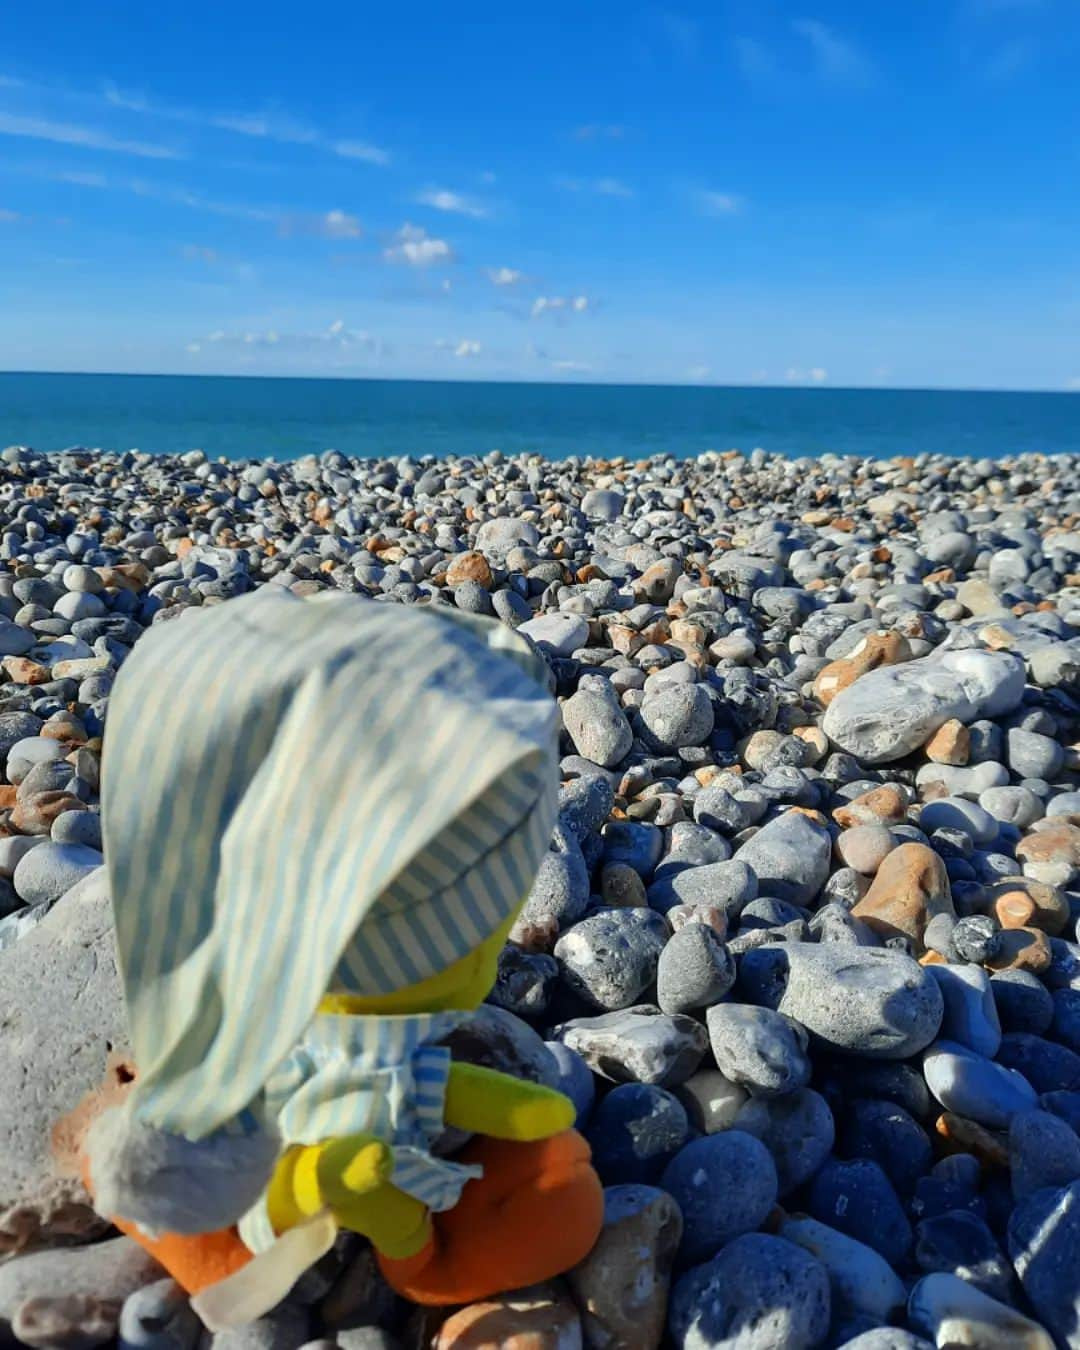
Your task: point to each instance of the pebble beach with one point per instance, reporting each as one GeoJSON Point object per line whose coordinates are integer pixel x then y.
{"type": "Point", "coordinates": [804, 950]}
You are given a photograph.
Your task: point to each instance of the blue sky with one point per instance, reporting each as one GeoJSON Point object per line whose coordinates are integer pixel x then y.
{"type": "Point", "coordinates": [745, 191]}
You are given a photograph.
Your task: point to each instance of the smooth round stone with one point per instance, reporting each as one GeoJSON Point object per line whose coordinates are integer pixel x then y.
{"type": "Point", "coordinates": [573, 1078]}
{"type": "Point", "coordinates": [1043, 1239]}
{"type": "Point", "coordinates": [769, 912]}
{"type": "Point", "coordinates": [718, 809]}
{"type": "Point", "coordinates": [695, 970]}
{"type": "Point", "coordinates": [760, 1293]}
{"type": "Point", "coordinates": [798, 1130]}
{"type": "Point", "coordinates": [760, 1049]}
{"type": "Point", "coordinates": [1048, 1067]}
{"type": "Point", "coordinates": [562, 633]}
{"type": "Point", "coordinates": [14, 848]}
{"type": "Point", "coordinates": [971, 1016]}
{"type": "Point", "coordinates": [885, 1133]}
{"type": "Point", "coordinates": [76, 605]}
{"type": "Point", "coordinates": [596, 722]}
{"type": "Point", "coordinates": [861, 1280]}
{"type": "Point", "coordinates": [80, 578]}
{"type": "Point", "coordinates": [584, 804]}
{"type": "Point", "coordinates": [971, 1085]}
{"type": "Point", "coordinates": [1032, 755]}
{"type": "Point", "coordinates": [894, 710]}
{"type": "Point", "coordinates": [611, 958]}
{"type": "Point", "coordinates": [634, 1132]}
{"type": "Point", "coordinates": [960, 1243]}
{"type": "Point", "coordinates": [975, 938]}
{"type": "Point", "coordinates": [864, 1000]}
{"type": "Point", "coordinates": [560, 891]}
{"type": "Point", "coordinates": [728, 886]}
{"type": "Point", "coordinates": [1043, 1151]}
{"type": "Point", "coordinates": [957, 813]}
{"type": "Point", "coordinates": [712, 1102]}
{"type": "Point", "coordinates": [865, 847]}
{"type": "Point", "coordinates": [952, 1312]}
{"type": "Point", "coordinates": [1015, 805]}
{"type": "Point", "coordinates": [1023, 1002]}
{"type": "Point", "coordinates": [725, 1185]}
{"type": "Point", "coordinates": [635, 843]}
{"type": "Point", "coordinates": [969, 781]}
{"type": "Point", "coordinates": [858, 1199]}
{"type": "Point", "coordinates": [33, 750]}
{"type": "Point", "coordinates": [1065, 804]}
{"type": "Point", "coordinates": [159, 1316]}
{"type": "Point", "coordinates": [790, 857]}
{"type": "Point", "coordinates": [677, 715]}
{"type": "Point", "coordinates": [46, 873]}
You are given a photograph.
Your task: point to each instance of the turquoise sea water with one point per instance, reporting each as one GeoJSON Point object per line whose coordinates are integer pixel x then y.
{"type": "Point", "coordinates": [281, 418]}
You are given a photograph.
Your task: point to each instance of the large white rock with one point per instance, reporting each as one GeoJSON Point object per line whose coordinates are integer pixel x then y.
{"type": "Point", "coordinates": [893, 710]}
{"type": "Point", "coordinates": [62, 1013]}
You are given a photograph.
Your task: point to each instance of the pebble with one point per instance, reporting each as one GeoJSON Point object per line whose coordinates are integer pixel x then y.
{"type": "Point", "coordinates": [728, 886]}
{"type": "Point", "coordinates": [974, 1086]}
{"type": "Point", "coordinates": [864, 1000]}
{"type": "Point", "coordinates": [910, 889]}
{"type": "Point", "coordinates": [638, 1044]}
{"type": "Point", "coordinates": [797, 1129]}
{"type": "Point", "coordinates": [1043, 1151]}
{"type": "Point", "coordinates": [622, 1286]}
{"type": "Point", "coordinates": [761, 1050]}
{"type": "Point", "coordinates": [1043, 1234]}
{"type": "Point", "coordinates": [761, 1292]}
{"type": "Point", "coordinates": [596, 722]}
{"type": "Point", "coordinates": [725, 1185]}
{"type": "Point", "coordinates": [540, 1318]}
{"type": "Point", "coordinates": [971, 1016]}
{"type": "Point", "coordinates": [960, 1243]}
{"type": "Point", "coordinates": [695, 970]}
{"type": "Point", "coordinates": [858, 1199]}
{"type": "Point", "coordinates": [634, 1132]}
{"type": "Point", "coordinates": [952, 1311]}
{"type": "Point", "coordinates": [712, 1101]}
{"type": "Point", "coordinates": [158, 1316]}
{"type": "Point", "coordinates": [610, 958]}
{"type": "Point", "coordinates": [861, 1281]}
{"type": "Point", "coordinates": [790, 857]}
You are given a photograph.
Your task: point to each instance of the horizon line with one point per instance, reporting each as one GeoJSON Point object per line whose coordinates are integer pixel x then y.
{"type": "Point", "coordinates": [823, 388]}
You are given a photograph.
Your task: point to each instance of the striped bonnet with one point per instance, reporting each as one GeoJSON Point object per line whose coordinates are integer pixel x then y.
{"type": "Point", "coordinates": [304, 795]}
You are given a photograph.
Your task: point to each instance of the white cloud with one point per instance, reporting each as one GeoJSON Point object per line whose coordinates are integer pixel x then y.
{"type": "Point", "coordinates": [336, 336]}
{"type": "Point", "coordinates": [836, 60]}
{"type": "Point", "coordinates": [467, 347]}
{"type": "Point", "coordinates": [720, 203]}
{"type": "Point", "coordinates": [543, 304]}
{"type": "Point", "coordinates": [505, 276]}
{"type": "Point", "coordinates": [194, 347]}
{"type": "Point", "coordinates": [444, 200]}
{"type": "Point", "coordinates": [698, 373]}
{"type": "Point", "coordinates": [603, 187]}
{"type": "Point", "coordinates": [815, 375]}
{"type": "Point", "coordinates": [579, 366]}
{"type": "Point", "coordinates": [329, 225]}
{"type": "Point", "coordinates": [413, 245]}
{"type": "Point", "coordinates": [275, 127]}
{"type": "Point", "coordinates": [361, 150]}
{"type": "Point", "coordinates": [592, 131]}
{"type": "Point", "coordinates": [89, 138]}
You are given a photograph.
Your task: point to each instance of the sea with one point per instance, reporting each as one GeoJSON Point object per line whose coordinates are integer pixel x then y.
{"type": "Point", "coordinates": [265, 418]}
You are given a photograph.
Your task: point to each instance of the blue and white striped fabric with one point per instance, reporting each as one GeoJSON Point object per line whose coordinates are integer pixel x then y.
{"type": "Point", "coordinates": [382, 1075]}
{"type": "Point", "coordinates": [306, 796]}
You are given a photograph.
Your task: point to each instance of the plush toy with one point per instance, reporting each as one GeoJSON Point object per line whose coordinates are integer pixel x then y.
{"type": "Point", "coordinates": [321, 819]}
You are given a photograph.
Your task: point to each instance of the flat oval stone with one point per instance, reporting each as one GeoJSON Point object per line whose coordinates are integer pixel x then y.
{"type": "Point", "coordinates": [974, 1086]}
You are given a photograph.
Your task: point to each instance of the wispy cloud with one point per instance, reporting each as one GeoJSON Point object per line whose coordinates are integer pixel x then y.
{"type": "Point", "coordinates": [595, 131]}
{"type": "Point", "coordinates": [575, 367]}
{"type": "Point", "coordinates": [462, 348]}
{"type": "Point", "coordinates": [553, 304]}
{"type": "Point", "coordinates": [330, 225]}
{"type": "Point", "coordinates": [698, 372]}
{"type": "Point", "coordinates": [821, 54]}
{"type": "Point", "coordinates": [603, 187]}
{"type": "Point", "coordinates": [815, 375]}
{"type": "Point", "coordinates": [505, 276]}
{"type": "Point", "coordinates": [413, 245]}
{"type": "Point", "coordinates": [89, 138]}
{"type": "Point", "coordinates": [179, 196]}
{"type": "Point", "coordinates": [442, 199]}
{"type": "Point", "coordinates": [338, 335]}
{"type": "Point", "coordinates": [836, 59]}
{"type": "Point", "coordinates": [1011, 60]}
{"type": "Point", "coordinates": [270, 126]}
{"type": "Point", "coordinates": [719, 203]}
